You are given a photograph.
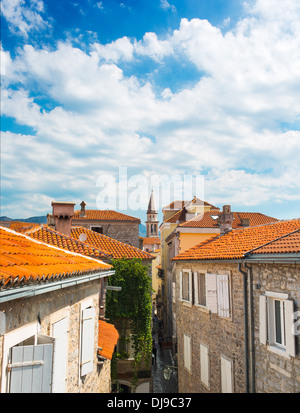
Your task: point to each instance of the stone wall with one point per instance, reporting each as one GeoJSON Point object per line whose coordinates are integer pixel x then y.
{"type": "Point", "coordinates": [51, 307]}
{"type": "Point", "coordinates": [222, 336]}
{"type": "Point", "coordinates": [124, 231]}
{"type": "Point", "coordinates": [273, 372]}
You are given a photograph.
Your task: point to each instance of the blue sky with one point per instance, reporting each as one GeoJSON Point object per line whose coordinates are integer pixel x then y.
{"type": "Point", "coordinates": [178, 88]}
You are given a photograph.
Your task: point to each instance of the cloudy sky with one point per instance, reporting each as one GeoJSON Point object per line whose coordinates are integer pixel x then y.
{"type": "Point", "coordinates": [151, 88]}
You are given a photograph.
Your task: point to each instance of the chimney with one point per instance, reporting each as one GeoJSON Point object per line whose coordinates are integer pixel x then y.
{"type": "Point", "coordinates": [82, 212]}
{"type": "Point", "coordinates": [225, 220]}
{"type": "Point", "coordinates": [62, 213]}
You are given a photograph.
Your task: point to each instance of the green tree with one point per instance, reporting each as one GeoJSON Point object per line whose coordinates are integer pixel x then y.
{"type": "Point", "coordinates": [131, 307]}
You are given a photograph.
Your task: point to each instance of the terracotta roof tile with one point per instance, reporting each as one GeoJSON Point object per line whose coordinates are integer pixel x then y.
{"type": "Point", "coordinates": [24, 260]}
{"type": "Point", "coordinates": [116, 248]}
{"type": "Point", "coordinates": [151, 240]}
{"type": "Point", "coordinates": [236, 243]}
{"type": "Point", "coordinates": [287, 244]}
{"type": "Point", "coordinates": [107, 339]}
{"type": "Point", "coordinates": [105, 215]}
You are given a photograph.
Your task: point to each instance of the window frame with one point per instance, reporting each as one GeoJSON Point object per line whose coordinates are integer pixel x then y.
{"type": "Point", "coordinates": [190, 290]}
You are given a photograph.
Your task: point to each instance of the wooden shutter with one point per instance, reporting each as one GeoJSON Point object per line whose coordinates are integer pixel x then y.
{"type": "Point", "coordinates": [187, 352]}
{"type": "Point", "coordinates": [226, 376]}
{"type": "Point", "coordinates": [87, 340]}
{"type": "Point", "coordinates": [289, 332]}
{"type": "Point", "coordinates": [204, 366]}
{"type": "Point", "coordinates": [180, 285]}
{"type": "Point", "coordinates": [60, 333]}
{"type": "Point", "coordinates": [211, 292]}
{"type": "Point", "coordinates": [196, 288]}
{"type": "Point", "coordinates": [263, 336]}
{"type": "Point", "coordinates": [31, 369]}
{"type": "Point", "coordinates": [223, 295]}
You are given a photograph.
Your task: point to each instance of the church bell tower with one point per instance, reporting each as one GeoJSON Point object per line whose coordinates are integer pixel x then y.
{"type": "Point", "coordinates": [152, 222]}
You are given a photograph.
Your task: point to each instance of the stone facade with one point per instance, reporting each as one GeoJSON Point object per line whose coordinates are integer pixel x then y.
{"type": "Point", "coordinates": [275, 373]}
{"type": "Point", "coordinates": [127, 232]}
{"type": "Point", "coordinates": [51, 307]}
{"type": "Point", "coordinates": [225, 336]}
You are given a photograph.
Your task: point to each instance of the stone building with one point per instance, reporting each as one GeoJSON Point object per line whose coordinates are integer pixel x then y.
{"type": "Point", "coordinates": [121, 227]}
{"type": "Point", "coordinates": [49, 311]}
{"type": "Point", "coordinates": [236, 300]}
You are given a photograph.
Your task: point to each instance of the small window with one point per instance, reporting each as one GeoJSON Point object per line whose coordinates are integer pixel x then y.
{"type": "Point", "coordinates": [97, 229]}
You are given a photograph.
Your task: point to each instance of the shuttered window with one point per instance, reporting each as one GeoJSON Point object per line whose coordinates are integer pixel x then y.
{"type": "Point", "coordinates": [276, 323]}
{"type": "Point", "coordinates": [87, 340]}
{"type": "Point", "coordinates": [211, 292]}
{"type": "Point", "coordinates": [187, 352]}
{"type": "Point", "coordinates": [223, 295]}
{"type": "Point", "coordinates": [30, 368]}
{"type": "Point", "coordinates": [204, 365]}
{"type": "Point", "coordinates": [185, 285]}
{"type": "Point", "coordinates": [60, 333]}
{"type": "Point", "coordinates": [226, 376]}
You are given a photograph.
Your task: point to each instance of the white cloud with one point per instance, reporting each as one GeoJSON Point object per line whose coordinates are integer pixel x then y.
{"type": "Point", "coordinates": [23, 19]}
{"type": "Point", "coordinates": [226, 126]}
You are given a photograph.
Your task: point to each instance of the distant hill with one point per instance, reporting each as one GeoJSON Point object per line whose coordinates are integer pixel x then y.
{"type": "Point", "coordinates": [38, 220]}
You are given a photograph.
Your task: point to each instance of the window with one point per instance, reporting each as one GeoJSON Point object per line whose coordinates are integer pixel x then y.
{"type": "Point", "coordinates": [186, 285]}
{"type": "Point", "coordinates": [276, 319]}
{"type": "Point", "coordinates": [27, 361]}
{"type": "Point", "coordinates": [97, 229]}
{"type": "Point", "coordinates": [204, 365]}
{"type": "Point", "coordinates": [187, 352]}
{"type": "Point", "coordinates": [200, 288]}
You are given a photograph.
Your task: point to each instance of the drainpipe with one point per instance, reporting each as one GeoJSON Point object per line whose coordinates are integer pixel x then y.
{"type": "Point", "coordinates": [245, 276]}
{"type": "Point", "coordinates": [251, 328]}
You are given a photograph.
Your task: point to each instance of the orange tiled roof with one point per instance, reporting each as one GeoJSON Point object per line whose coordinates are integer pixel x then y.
{"type": "Point", "coordinates": [207, 220]}
{"type": "Point", "coordinates": [24, 260]}
{"type": "Point", "coordinates": [177, 216]}
{"type": "Point", "coordinates": [287, 244]}
{"type": "Point", "coordinates": [50, 236]}
{"type": "Point", "coordinates": [107, 339]}
{"type": "Point", "coordinates": [23, 227]}
{"type": "Point", "coordinates": [105, 215]}
{"type": "Point", "coordinates": [238, 242]}
{"type": "Point", "coordinates": [116, 248]}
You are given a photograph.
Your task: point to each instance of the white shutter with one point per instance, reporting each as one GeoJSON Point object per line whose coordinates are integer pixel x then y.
{"type": "Point", "coordinates": [60, 333]}
{"type": "Point", "coordinates": [289, 332]}
{"type": "Point", "coordinates": [31, 369]}
{"type": "Point", "coordinates": [263, 319]}
{"type": "Point", "coordinates": [174, 292]}
{"type": "Point", "coordinates": [187, 352]}
{"type": "Point", "coordinates": [190, 286]}
{"type": "Point", "coordinates": [226, 376]}
{"type": "Point", "coordinates": [223, 295]}
{"type": "Point", "coordinates": [211, 292]}
{"type": "Point", "coordinates": [87, 340]}
{"type": "Point", "coordinates": [204, 370]}
{"type": "Point", "coordinates": [196, 288]}
{"type": "Point", "coordinates": [180, 285]}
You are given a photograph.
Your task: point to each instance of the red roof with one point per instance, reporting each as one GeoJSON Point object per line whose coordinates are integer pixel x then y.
{"type": "Point", "coordinates": [236, 243]}
{"type": "Point", "coordinates": [105, 215]}
{"type": "Point", "coordinates": [107, 339]}
{"type": "Point", "coordinates": [24, 260]}
{"type": "Point", "coordinates": [287, 244]}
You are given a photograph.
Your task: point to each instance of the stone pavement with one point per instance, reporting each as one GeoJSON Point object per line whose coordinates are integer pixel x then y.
{"type": "Point", "coordinates": [159, 383]}
{"type": "Point", "coordinates": [163, 358]}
